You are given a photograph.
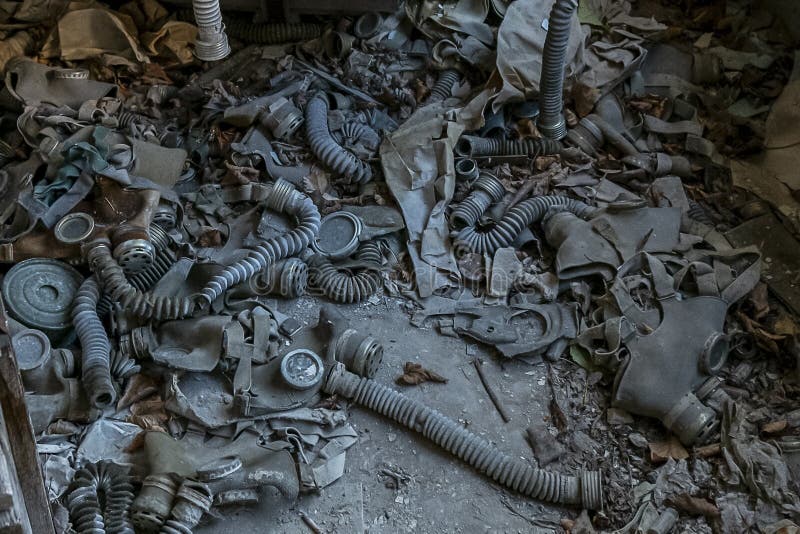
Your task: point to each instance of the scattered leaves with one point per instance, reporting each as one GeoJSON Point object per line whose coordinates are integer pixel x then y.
{"type": "Point", "coordinates": [661, 451]}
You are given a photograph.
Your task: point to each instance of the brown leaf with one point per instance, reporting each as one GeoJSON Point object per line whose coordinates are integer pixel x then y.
{"type": "Point", "coordinates": [773, 427]}
{"type": "Point", "coordinates": [149, 406]}
{"type": "Point", "coordinates": [211, 237]}
{"type": "Point", "coordinates": [155, 74]}
{"type": "Point", "coordinates": [785, 326]}
{"type": "Point", "coordinates": [139, 387]}
{"type": "Point", "coordinates": [694, 506]}
{"type": "Point", "coordinates": [707, 451]}
{"type": "Point", "coordinates": [758, 297]}
{"type": "Point", "coordinates": [661, 451]}
{"type": "Point", "coordinates": [414, 373]}
{"type": "Point", "coordinates": [584, 97]}
{"type": "Point", "coordinates": [149, 422]}
{"type": "Point", "coordinates": [136, 443]}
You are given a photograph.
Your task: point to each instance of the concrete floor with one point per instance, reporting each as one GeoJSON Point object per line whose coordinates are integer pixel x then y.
{"type": "Point", "coordinates": [443, 494]}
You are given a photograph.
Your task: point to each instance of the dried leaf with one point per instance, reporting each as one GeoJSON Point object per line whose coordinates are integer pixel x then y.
{"type": "Point", "coordinates": [414, 373]}
{"type": "Point", "coordinates": [661, 451]}
{"type": "Point", "coordinates": [708, 451]}
{"type": "Point", "coordinates": [694, 506]}
{"type": "Point", "coordinates": [139, 387]}
{"type": "Point", "coordinates": [154, 405]}
{"type": "Point", "coordinates": [584, 97]}
{"type": "Point", "coordinates": [773, 427]}
{"type": "Point", "coordinates": [785, 326]}
{"type": "Point", "coordinates": [149, 422]}
{"type": "Point", "coordinates": [211, 237]}
{"type": "Point", "coordinates": [758, 297]}
{"type": "Point", "coordinates": [136, 443]}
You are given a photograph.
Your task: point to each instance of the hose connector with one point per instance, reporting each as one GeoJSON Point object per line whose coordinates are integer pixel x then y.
{"type": "Point", "coordinates": [551, 122]}
{"type": "Point", "coordinates": [212, 41]}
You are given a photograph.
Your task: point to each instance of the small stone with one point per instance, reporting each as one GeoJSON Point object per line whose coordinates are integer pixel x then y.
{"type": "Point", "coordinates": [391, 437]}
{"type": "Point", "coordinates": [637, 440]}
{"type": "Point", "coordinates": [616, 417]}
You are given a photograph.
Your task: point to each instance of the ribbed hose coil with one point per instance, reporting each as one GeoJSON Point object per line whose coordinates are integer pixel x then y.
{"type": "Point", "coordinates": [356, 132]}
{"type": "Point", "coordinates": [699, 213]}
{"type": "Point", "coordinates": [282, 198]}
{"type": "Point", "coordinates": [325, 147]}
{"type": "Point", "coordinates": [126, 118]}
{"type": "Point", "coordinates": [585, 490]}
{"type": "Point", "coordinates": [146, 279]}
{"type": "Point", "coordinates": [138, 303]}
{"type": "Point", "coordinates": [96, 349]}
{"type": "Point", "coordinates": [443, 88]}
{"type": "Point", "coordinates": [212, 42]}
{"type": "Point", "coordinates": [287, 278]}
{"type": "Point", "coordinates": [517, 219]}
{"type": "Point", "coordinates": [551, 122]}
{"type": "Point", "coordinates": [473, 146]}
{"type": "Point", "coordinates": [100, 500]}
{"type": "Point", "coordinates": [123, 367]}
{"type": "Point", "coordinates": [192, 500]}
{"type": "Point", "coordinates": [485, 191]}
{"type": "Point", "coordinates": [348, 286]}
{"type": "Point", "coordinates": [268, 34]}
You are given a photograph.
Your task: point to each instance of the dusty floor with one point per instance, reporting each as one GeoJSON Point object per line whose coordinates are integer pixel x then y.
{"type": "Point", "coordinates": [707, 93]}
{"type": "Point", "coordinates": [443, 494]}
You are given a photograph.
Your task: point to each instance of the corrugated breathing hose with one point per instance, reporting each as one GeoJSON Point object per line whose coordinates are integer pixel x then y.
{"type": "Point", "coordinates": [584, 490]}
{"type": "Point", "coordinates": [551, 122]}
{"type": "Point", "coordinates": [138, 303]}
{"type": "Point", "coordinates": [123, 367]}
{"type": "Point", "coordinates": [325, 147]}
{"type": "Point", "coordinates": [192, 500]}
{"type": "Point", "coordinates": [699, 213]}
{"type": "Point", "coordinates": [475, 147]}
{"type": "Point", "coordinates": [356, 132]}
{"type": "Point", "coordinates": [284, 199]}
{"type": "Point", "coordinates": [274, 33]}
{"type": "Point", "coordinates": [287, 278]}
{"type": "Point", "coordinates": [348, 285]}
{"type": "Point", "coordinates": [96, 366]}
{"type": "Point", "coordinates": [163, 260]}
{"type": "Point", "coordinates": [485, 191]}
{"type": "Point", "coordinates": [517, 219]}
{"type": "Point", "coordinates": [443, 88]}
{"type": "Point", "coordinates": [212, 42]}
{"type": "Point", "coordinates": [100, 500]}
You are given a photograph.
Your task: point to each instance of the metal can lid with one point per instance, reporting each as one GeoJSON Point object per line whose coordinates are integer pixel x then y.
{"type": "Point", "coordinates": [31, 348]}
{"type": "Point", "coordinates": [38, 293]}
{"type": "Point", "coordinates": [338, 235]}
{"type": "Point", "coordinates": [302, 369]}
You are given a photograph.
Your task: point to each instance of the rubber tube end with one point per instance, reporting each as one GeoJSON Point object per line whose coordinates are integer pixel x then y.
{"type": "Point", "coordinates": [553, 129]}
{"type": "Point", "coordinates": [211, 45]}
{"type": "Point", "coordinates": [591, 490]}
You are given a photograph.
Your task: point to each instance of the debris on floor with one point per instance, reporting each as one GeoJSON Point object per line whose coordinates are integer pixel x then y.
{"type": "Point", "coordinates": [585, 214]}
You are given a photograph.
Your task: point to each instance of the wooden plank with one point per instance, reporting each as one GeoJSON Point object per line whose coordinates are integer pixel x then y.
{"type": "Point", "coordinates": [23, 443]}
